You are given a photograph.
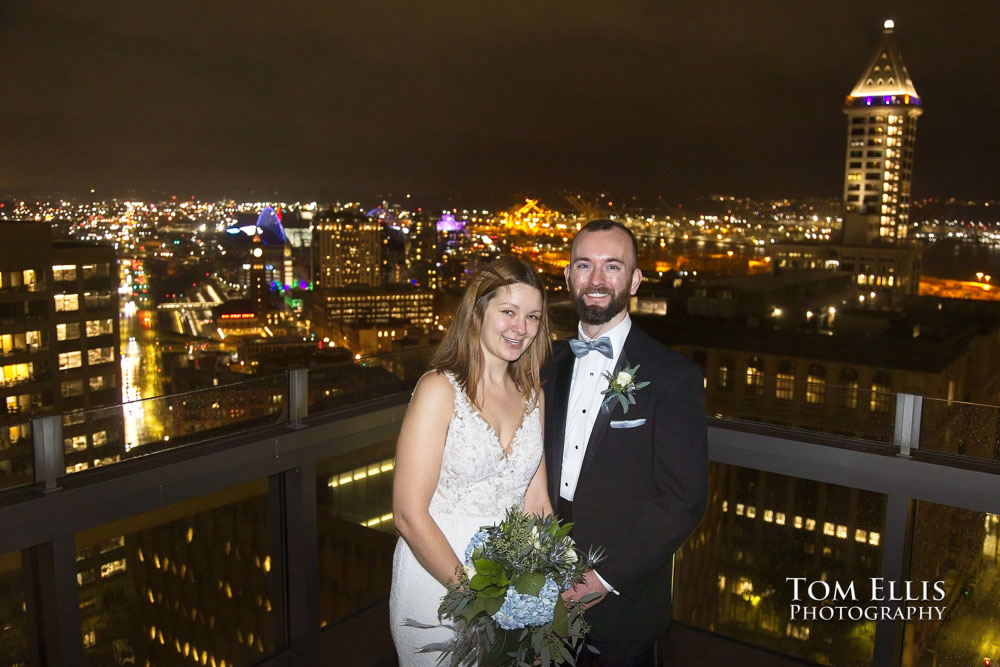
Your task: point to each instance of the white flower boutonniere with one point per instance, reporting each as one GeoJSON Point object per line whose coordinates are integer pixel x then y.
{"type": "Point", "coordinates": [622, 386]}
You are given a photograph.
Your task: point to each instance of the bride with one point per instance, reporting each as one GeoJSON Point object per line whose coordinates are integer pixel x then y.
{"type": "Point", "coordinates": [470, 445]}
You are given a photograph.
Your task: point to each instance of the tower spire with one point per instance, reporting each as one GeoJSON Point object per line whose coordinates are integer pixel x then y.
{"type": "Point", "coordinates": [882, 111]}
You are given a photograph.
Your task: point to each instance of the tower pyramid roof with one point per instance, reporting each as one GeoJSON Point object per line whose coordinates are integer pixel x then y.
{"type": "Point", "coordinates": [886, 74]}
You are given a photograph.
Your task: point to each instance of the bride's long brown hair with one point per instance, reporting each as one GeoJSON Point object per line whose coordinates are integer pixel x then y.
{"type": "Point", "coordinates": [460, 351]}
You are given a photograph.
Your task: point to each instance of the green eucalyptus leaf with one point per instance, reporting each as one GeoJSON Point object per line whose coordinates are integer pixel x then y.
{"type": "Point", "coordinates": [492, 592]}
{"type": "Point", "coordinates": [477, 606]}
{"type": "Point", "coordinates": [530, 583]}
{"type": "Point", "coordinates": [484, 566]}
{"type": "Point", "coordinates": [479, 582]}
{"type": "Point", "coordinates": [492, 605]}
{"type": "Point", "coordinates": [560, 619]}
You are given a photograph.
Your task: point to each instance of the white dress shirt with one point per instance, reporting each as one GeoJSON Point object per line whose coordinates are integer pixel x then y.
{"type": "Point", "coordinates": [584, 405]}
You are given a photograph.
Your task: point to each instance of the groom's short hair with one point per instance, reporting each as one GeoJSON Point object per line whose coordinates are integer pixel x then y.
{"type": "Point", "coordinates": [603, 225]}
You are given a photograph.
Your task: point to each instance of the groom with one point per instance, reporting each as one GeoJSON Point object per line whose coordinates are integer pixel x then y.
{"type": "Point", "coordinates": [633, 482]}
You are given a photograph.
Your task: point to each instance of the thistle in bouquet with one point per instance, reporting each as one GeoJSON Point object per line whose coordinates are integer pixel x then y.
{"type": "Point", "coordinates": [506, 607]}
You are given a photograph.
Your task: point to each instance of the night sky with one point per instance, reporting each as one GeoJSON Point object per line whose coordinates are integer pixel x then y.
{"type": "Point", "coordinates": [483, 99]}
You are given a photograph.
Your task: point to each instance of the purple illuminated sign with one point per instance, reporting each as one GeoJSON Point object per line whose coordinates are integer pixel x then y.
{"type": "Point", "coordinates": [448, 223]}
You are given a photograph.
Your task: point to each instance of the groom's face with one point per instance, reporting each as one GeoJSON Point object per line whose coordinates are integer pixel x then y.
{"type": "Point", "coordinates": [602, 274]}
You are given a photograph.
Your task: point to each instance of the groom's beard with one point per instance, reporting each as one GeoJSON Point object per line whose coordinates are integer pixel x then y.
{"type": "Point", "coordinates": [593, 314]}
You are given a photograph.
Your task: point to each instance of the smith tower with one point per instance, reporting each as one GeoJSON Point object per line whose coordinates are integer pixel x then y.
{"type": "Point", "coordinates": [882, 112]}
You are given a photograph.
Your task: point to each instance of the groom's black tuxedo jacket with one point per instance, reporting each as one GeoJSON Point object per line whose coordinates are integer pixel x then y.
{"type": "Point", "coordinates": [642, 488]}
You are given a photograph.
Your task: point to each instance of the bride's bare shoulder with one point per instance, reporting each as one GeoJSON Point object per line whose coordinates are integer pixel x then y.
{"type": "Point", "coordinates": [432, 387]}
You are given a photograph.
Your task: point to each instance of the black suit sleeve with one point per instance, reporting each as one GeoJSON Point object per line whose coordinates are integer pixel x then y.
{"type": "Point", "coordinates": [651, 532]}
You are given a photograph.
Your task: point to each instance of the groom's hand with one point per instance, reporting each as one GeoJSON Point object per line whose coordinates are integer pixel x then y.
{"type": "Point", "coordinates": [590, 584]}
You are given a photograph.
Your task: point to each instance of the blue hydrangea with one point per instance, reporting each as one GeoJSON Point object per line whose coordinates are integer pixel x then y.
{"type": "Point", "coordinates": [519, 611]}
{"type": "Point", "coordinates": [478, 540]}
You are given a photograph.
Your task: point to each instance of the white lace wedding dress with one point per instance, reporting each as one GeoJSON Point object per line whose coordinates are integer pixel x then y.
{"type": "Point", "coordinates": [477, 486]}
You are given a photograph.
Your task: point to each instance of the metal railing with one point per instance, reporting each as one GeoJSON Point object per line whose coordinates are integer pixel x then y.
{"type": "Point", "coordinates": [43, 520]}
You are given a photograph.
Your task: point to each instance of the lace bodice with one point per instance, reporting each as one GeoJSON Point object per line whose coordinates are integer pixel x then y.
{"type": "Point", "coordinates": [476, 479]}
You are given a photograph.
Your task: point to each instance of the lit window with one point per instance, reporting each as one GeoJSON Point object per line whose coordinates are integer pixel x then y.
{"type": "Point", "coordinates": [769, 516]}
{"type": "Point", "coordinates": [100, 355]}
{"type": "Point", "coordinates": [815, 384]}
{"type": "Point", "coordinates": [860, 536]}
{"type": "Point", "coordinates": [67, 302]}
{"type": "Point", "coordinates": [880, 396]}
{"type": "Point", "coordinates": [779, 518]}
{"type": "Point", "coordinates": [797, 522]}
{"type": "Point", "coordinates": [842, 532]}
{"type": "Point", "coordinates": [76, 443]}
{"type": "Point", "coordinates": [739, 509]}
{"type": "Point", "coordinates": [64, 272]}
{"type": "Point", "coordinates": [13, 373]}
{"type": "Point", "coordinates": [784, 388]}
{"type": "Point", "coordinates": [751, 512]}
{"type": "Point", "coordinates": [72, 388]}
{"type": "Point", "coordinates": [68, 331]}
{"type": "Point", "coordinates": [99, 327]}
{"type": "Point", "coordinates": [70, 360]}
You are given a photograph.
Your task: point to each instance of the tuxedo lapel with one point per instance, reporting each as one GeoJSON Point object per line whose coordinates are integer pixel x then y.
{"type": "Point", "coordinates": [604, 418]}
{"type": "Point", "coordinates": [562, 378]}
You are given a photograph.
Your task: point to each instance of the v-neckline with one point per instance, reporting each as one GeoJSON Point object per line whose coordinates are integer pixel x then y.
{"type": "Point", "coordinates": [507, 451]}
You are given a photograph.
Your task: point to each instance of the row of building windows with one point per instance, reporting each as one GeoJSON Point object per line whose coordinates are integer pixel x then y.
{"type": "Point", "coordinates": [25, 403]}
{"type": "Point", "coordinates": [14, 434]}
{"type": "Point", "coordinates": [71, 302]}
{"type": "Point", "coordinates": [71, 330]}
{"type": "Point", "coordinates": [95, 356]}
{"type": "Point", "coordinates": [20, 342]}
{"type": "Point", "coordinates": [892, 119]}
{"type": "Point", "coordinates": [840, 531]}
{"type": "Point", "coordinates": [29, 279]}
{"type": "Point", "coordinates": [69, 272]}
{"type": "Point", "coordinates": [76, 387]}
{"type": "Point", "coordinates": [847, 389]}
{"type": "Point", "coordinates": [78, 443]}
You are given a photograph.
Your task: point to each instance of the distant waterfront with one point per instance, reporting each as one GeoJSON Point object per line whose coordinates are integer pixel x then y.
{"type": "Point", "coordinates": [961, 261]}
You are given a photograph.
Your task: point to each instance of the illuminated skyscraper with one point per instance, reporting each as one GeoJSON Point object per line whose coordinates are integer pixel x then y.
{"type": "Point", "coordinates": [59, 347]}
{"type": "Point", "coordinates": [350, 249]}
{"type": "Point", "coordinates": [882, 112]}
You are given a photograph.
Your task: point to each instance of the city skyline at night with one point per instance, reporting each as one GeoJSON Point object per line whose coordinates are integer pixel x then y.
{"type": "Point", "coordinates": [235, 236]}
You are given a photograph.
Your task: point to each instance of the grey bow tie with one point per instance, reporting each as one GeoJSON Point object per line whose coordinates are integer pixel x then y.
{"type": "Point", "coordinates": [602, 345]}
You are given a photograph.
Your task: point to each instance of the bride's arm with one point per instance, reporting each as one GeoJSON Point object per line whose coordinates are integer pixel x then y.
{"type": "Point", "coordinates": [419, 451]}
{"type": "Point", "coordinates": [536, 498]}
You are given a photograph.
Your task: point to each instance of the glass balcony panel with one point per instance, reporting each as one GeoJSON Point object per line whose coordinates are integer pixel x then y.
{"type": "Point", "coordinates": [355, 530]}
{"type": "Point", "coordinates": [847, 409]}
{"type": "Point", "coordinates": [958, 549]}
{"type": "Point", "coordinates": [966, 429]}
{"type": "Point", "coordinates": [110, 434]}
{"type": "Point", "coordinates": [759, 529]}
{"type": "Point", "coordinates": [188, 583]}
{"type": "Point", "coordinates": [351, 382]}
{"type": "Point", "coordinates": [16, 643]}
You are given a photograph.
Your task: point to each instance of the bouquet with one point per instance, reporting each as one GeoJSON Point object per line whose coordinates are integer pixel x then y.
{"type": "Point", "coordinates": [506, 607]}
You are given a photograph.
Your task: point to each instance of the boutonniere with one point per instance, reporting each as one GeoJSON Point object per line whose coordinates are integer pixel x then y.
{"type": "Point", "coordinates": [622, 386]}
